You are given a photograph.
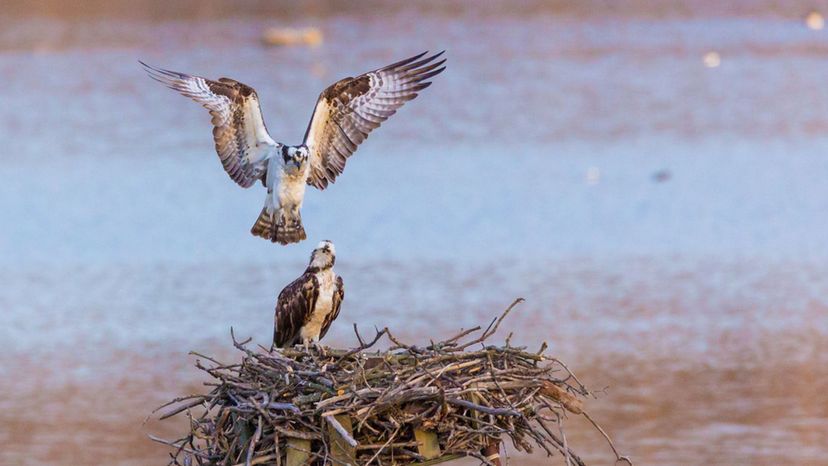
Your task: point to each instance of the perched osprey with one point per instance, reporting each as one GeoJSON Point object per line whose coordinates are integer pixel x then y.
{"type": "Point", "coordinates": [306, 307]}
{"type": "Point", "coordinates": [344, 115]}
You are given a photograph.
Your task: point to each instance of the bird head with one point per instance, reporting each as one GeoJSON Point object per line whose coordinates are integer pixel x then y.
{"type": "Point", "coordinates": [324, 256]}
{"type": "Point", "coordinates": [295, 157]}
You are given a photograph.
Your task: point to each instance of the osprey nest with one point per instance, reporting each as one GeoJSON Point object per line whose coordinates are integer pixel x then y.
{"type": "Point", "coordinates": [408, 405]}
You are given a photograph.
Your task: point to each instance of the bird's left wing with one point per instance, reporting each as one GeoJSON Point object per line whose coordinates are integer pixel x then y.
{"type": "Point", "coordinates": [241, 138]}
{"type": "Point", "coordinates": [338, 296]}
{"type": "Point", "coordinates": [294, 306]}
{"type": "Point", "coordinates": [351, 108]}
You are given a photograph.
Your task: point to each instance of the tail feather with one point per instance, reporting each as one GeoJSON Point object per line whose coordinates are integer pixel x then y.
{"type": "Point", "coordinates": [279, 227]}
{"type": "Point", "coordinates": [264, 225]}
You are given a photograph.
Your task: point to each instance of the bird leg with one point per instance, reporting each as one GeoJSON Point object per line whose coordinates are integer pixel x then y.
{"type": "Point", "coordinates": [308, 343]}
{"type": "Point", "coordinates": [319, 348]}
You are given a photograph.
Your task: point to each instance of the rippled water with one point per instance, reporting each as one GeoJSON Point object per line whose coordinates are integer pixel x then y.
{"type": "Point", "coordinates": [664, 220]}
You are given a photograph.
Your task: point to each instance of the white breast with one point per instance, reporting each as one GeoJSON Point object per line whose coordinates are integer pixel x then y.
{"type": "Point", "coordinates": [324, 305]}
{"type": "Point", "coordinates": [288, 190]}
{"type": "Point", "coordinates": [291, 191]}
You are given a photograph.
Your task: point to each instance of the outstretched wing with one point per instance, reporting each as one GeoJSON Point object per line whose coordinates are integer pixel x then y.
{"type": "Point", "coordinates": [242, 140]}
{"type": "Point", "coordinates": [338, 296]}
{"type": "Point", "coordinates": [352, 107]}
{"type": "Point", "coordinates": [293, 308]}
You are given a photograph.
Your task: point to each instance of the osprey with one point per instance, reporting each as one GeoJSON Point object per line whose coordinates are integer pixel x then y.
{"type": "Point", "coordinates": [306, 307]}
{"type": "Point", "coordinates": [345, 113]}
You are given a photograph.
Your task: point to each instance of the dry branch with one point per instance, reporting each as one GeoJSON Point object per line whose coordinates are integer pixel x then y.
{"type": "Point", "coordinates": [278, 404]}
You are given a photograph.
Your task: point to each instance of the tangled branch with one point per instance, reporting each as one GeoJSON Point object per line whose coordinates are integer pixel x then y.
{"type": "Point", "coordinates": [469, 397]}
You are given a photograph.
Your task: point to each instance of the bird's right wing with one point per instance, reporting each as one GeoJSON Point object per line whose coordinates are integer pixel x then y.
{"type": "Point", "coordinates": [348, 110]}
{"type": "Point", "coordinates": [242, 140]}
{"type": "Point", "coordinates": [294, 306]}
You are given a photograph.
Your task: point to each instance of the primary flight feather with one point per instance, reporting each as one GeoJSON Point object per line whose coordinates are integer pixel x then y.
{"type": "Point", "coordinates": [345, 113]}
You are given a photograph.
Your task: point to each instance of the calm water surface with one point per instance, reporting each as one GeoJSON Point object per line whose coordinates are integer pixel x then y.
{"type": "Point", "coordinates": [664, 220]}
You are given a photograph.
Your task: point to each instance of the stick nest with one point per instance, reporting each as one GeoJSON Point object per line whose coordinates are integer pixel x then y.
{"type": "Point", "coordinates": [467, 392]}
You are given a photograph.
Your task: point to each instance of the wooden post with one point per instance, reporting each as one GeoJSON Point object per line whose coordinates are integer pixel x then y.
{"type": "Point", "coordinates": [492, 452]}
{"type": "Point", "coordinates": [341, 451]}
{"type": "Point", "coordinates": [427, 444]}
{"type": "Point", "coordinates": [297, 451]}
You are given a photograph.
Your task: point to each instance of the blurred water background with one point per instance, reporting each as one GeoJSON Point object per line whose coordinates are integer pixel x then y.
{"type": "Point", "coordinates": [650, 176]}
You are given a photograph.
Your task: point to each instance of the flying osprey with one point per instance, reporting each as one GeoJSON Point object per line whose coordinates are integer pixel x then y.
{"type": "Point", "coordinates": [306, 307]}
{"type": "Point", "coordinates": [344, 115]}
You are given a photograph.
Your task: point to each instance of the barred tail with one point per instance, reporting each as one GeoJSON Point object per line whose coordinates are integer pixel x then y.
{"type": "Point", "coordinates": [264, 225]}
{"type": "Point", "coordinates": [279, 226]}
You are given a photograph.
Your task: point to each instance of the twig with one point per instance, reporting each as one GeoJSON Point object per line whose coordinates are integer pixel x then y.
{"type": "Point", "coordinates": [344, 433]}
{"type": "Point", "coordinates": [609, 440]}
{"type": "Point", "coordinates": [271, 403]}
{"type": "Point", "coordinates": [483, 409]}
{"type": "Point", "coordinates": [491, 329]}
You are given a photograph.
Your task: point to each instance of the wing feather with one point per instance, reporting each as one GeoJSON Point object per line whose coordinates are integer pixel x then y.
{"type": "Point", "coordinates": [293, 308]}
{"type": "Point", "coordinates": [347, 111]}
{"type": "Point", "coordinates": [239, 132]}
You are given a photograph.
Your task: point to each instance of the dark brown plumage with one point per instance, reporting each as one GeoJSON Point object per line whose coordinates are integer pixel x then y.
{"type": "Point", "coordinates": [298, 301]}
{"type": "Point", "coordinates": [347, 111]}
{"type": "Point", "coordinates": [238, 125]}
{"type": "Point", "coordinates": [293, 308]}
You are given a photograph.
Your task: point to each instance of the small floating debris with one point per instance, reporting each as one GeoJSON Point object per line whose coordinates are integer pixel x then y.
{"type": "Point", "coordinates": [662, 175]}
{"type": "Point", "coordinates": [282, 37]}
{"type": "Point", "coordinates": [815, 21]}
{"type": "Point", "coordinates": [593, 176]}
{"type": "Point", "coordinates": [712, 59]}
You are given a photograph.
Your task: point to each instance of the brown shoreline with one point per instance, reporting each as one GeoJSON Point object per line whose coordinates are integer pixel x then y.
{"type": "Point", "coordinates": [288, 9]}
